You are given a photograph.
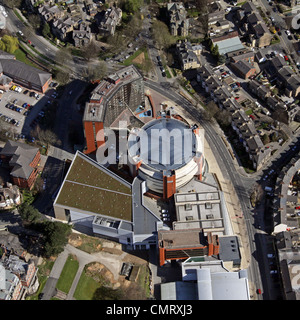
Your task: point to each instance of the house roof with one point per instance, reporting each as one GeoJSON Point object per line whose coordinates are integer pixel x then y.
{"type": "Point", "coordinates": [229, 44]}
{"type": "Point", "coordinates": [22, 155]}
{"type": "Point", "coordinates": [17, 69]}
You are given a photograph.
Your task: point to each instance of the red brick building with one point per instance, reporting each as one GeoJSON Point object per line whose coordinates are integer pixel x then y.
{"type": "Point", "coordinates": [182, 244]}
{"type": "Point", "coordinates": [23, 161]}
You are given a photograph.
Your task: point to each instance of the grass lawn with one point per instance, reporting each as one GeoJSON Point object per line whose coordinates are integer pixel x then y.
{"type": "Point", "coordinates": [21, 56]}
{"type": "Point", "coordinates": [68, 273]}
{"type": "Point", "coordinates": [86, 287]}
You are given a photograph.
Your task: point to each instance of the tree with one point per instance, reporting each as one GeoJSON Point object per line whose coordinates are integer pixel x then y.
{"type": "Point", "coordinates": [63, 55]}
{"type": "Point", "coordinates": [62, 77]}
{"type": "Point", "coordinates": [212, 108]}
{"type": "Point", "coordinates": [13, 3]}
{"type": "Point", "coordinates": [48, 137]}
{"type": "Point", "coordinates": [9, 43]}
{"type": "Point", "coordinates": [132, 6]}
{"type": "Point", "coordinates": [91, 51]}
{"type": "Point", "coordinates": [161, 35]}
{"type": "Point", "coordinates": [95, 72]}
{"type": "Point", "coordinates": [35, 21]}
{"type": "Point", "coordinates": [215, 51]}
{"type": "Point", "coordinates": [202, 7]}
{"type": "Point", "coordinates": [28, 213]}
{"type": "Point", "coordinates": [55, 236]}
{"type": "Point", "coordinates": [46, 31]}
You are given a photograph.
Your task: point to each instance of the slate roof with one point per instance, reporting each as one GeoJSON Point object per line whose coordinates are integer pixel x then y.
{"type": "Point", "coordinates": [17, 69]}
{"type": "Point", "coordinates": [22, 155]}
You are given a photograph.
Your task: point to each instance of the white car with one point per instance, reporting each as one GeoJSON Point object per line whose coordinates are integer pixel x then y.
{"type": "Point", "coordinates": [288, 32]}
{"type": "Point", "coordinates": [5, 14]}
{"type": "Point", "coordinates": [20, 33]}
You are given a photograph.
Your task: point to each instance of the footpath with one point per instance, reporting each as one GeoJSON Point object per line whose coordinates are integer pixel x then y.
{"type": "Point", "coordinates": [113, 262]}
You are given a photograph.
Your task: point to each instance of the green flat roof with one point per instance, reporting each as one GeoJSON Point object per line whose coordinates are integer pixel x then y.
{"type": "Point", "coordinates": [90, 187]}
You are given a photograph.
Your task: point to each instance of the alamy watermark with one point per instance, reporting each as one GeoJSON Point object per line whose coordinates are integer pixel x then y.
{"type": "Point", "coordinates": [295, 23]}
{"type": "Point", "coordinates": [158, 145]}
{"type": "Point", "coordinates": [2, 277]}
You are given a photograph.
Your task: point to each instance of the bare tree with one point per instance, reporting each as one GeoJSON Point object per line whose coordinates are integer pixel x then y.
{"type": "Point", "coordinates": [46, 137]}
{"type": "Point", "coordinates": [91, 51]}
{"type": "Point", "coordinates": [202, 7]}
{"type": "Point", "coordinates": [95, 72]}
{"type": "Point", "coordinates": [63, 55]}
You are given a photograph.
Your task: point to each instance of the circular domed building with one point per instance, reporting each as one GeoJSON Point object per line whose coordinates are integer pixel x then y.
{"type": "Point", "coordinates": [167, 153]}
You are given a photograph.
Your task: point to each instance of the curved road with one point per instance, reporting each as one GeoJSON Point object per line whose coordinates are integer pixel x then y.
{"type": "Point", "coordinates": [241, 184]}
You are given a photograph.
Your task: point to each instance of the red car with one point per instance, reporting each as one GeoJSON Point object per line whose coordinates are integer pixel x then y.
{"type": "Point", "coordinates": [286, 58]}
{"type": "Point", "coordinates": [297, 208]}
{"type": "Point", "coordinates": [29, 41]}
{"type": "Point", "coordinates": [258, 291]}
{"type": "Point", "coordinates": [238, 84]}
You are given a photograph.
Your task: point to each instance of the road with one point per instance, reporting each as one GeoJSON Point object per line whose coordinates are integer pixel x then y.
{"type": "Point", "coordinates": [259, 240]}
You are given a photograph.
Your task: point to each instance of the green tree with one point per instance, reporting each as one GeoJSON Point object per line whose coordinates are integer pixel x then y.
{"type": "Point", "coordinates": [161, 35]}
{"type": "Point", "coordinates": [215, 51]}
{"type": "Point", "coordinates": [28, 213]}
{"type": "Point", "coordinates": [55, 237]}
{"type": "Point", "coordinates": [62, 77]}
{"type": "Point", "coordinates": [46, 31]}
{"type": "Point", "coordinates": [10, 43]}
{"type": "Point", "coordinates": [132, 6]}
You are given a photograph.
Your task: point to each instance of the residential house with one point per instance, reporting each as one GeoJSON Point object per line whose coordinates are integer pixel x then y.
{"type": "Point", "coordinates": [49, 13]}
{"type": "Point", "coordinates": [178, 22]}
{"type": "Point", "coordinates": [246, 131]}
{"type": "Point", "coordinates": [243, 69]}
{"type": "Point", "coordinates": [23, 161]}
{"type": "Point", "coordinates": [253, 25]}
{"type": "Point", "coordinates": [258, 89]}
{"type": "Point", "coordinates": [247, 56]}
{"type": "Point", "coordinates": [26, 272]}
{"type": "Point", "coordinates": [108, 20]}
{"type": "Point", "coordinates": [62, 28]}
{"type": "Point", "coordinates": [83, 36]}
{"type": "Point", "coordinates": [91, 8]}
{"type": "Point", "coordinates": [13, 289]}
{"type": "Point", "coordinates": [20, 278]}
{"type": "Point", "coordinates": [288, 253]}
{"type": "Point", "coordinates": [188, 55]}
{"type": "Point", "coordinates": [9, 196]}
